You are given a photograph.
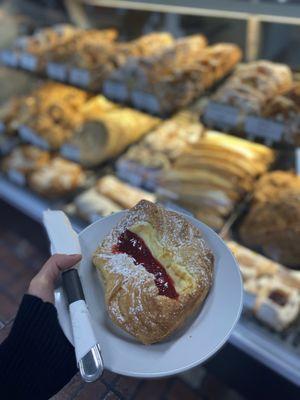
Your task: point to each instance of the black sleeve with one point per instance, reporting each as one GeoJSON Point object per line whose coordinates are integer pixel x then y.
{"type": "Point", "coordinates": [36, 359]}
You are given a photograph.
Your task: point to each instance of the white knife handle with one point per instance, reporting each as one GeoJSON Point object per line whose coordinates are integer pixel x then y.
{"type": "Point", "coordinates": [87, 349]}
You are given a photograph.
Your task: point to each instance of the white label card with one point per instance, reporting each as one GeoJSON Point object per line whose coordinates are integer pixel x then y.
{"type": "Point", "coordinates": [16, 177]}
{"type": "Point", "coordinates": [9, 58]}
{"type": "Point", "coordinates": [57, 71]}
{"type": "Point", "coordinates": [297, 156]}
{"type": "Point", "coordinates": [28, 135]}
{"type": "Point", "coordinates": [71, 152]}
{"type": "Point", "coordinates": [115, 90]}
{"type": "Point", "coordinates": [260, 127]}
{"type": "Point", "coordinates": [29, 62]}
{"type": "Point", "coordinates": [220, 115]}
{"type": "Point", "coordinates": [80, 77]}
{"type": "Point", "coordinates": [145, 101]}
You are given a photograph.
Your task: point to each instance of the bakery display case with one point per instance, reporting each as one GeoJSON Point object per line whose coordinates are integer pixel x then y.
{"type": "Point", "coordinates": [117, 101]}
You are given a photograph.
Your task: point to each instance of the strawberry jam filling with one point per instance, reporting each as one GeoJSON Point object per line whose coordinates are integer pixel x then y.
{"type": "Point", "coordinates": [131, 244]}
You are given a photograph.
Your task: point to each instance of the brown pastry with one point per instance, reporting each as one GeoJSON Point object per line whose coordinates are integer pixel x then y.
{"type": "Point", "coordinates": [254, 84]}
{"type": "Point", "coordinates": [156, 269]}
{"type": "Point", "coordinates": [273, 221]}
{"type": "Point", "coordinates": [253, 265]}
{"type": "Point", "coordinates": [123, 194]}
{"type": "Point", "coordinates": [25, 159]}
{"type": "Point", "coordinates": [52, 112]}
{"type": "Point", "coordinates": [216, 171]}
{"type": "Point", "coordinates": [107, 135]}
{"type": "Point", "coordinates": [60, 177]}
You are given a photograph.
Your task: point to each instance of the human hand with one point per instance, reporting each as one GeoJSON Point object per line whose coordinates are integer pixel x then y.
{"type": "Point", "coordinates": [42, 285]}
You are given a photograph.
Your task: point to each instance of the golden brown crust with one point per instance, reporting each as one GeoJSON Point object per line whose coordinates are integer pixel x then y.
{"type": "Point", "coordinates": [58, 178]}
{"type": "Point", "coordinates": [132, 298]}
{"type": "Point", "coordinates": [273, 221]}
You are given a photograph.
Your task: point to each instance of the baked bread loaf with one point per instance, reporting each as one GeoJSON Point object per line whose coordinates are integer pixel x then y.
{"type": "Point", "coordinates": [273, 221]}
{"type": "Point", "coordinates": [156, 269]}
{"type": "Point", "coordinates": [58, 178]}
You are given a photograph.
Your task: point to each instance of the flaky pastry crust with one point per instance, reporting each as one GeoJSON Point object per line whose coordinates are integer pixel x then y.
{"type": "Point", "coordinates": [132, 297]}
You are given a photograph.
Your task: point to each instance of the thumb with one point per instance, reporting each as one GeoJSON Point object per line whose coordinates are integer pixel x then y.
{"type": "Point", "coordinates": [42, 285]}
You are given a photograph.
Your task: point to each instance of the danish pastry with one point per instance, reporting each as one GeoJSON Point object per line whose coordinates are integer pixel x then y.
{"type": "Point", "coordinates": [156, 269]}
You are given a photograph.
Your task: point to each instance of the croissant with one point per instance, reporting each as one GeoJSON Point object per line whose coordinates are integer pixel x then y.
{"type": "Point", "coordinates": [156, 269]}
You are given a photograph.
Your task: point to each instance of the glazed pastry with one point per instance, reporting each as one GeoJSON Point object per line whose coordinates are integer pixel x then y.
{"type": "Point", "coordinates": [25, 159]}
{"type": "Point", "coordinates": [125, 195]}
{"type": "Point", "coordinates": [60, 177]}
{"type": "Point", "coordinates": [151, 288]}
{"type": "Point", "coordinates": [91, 203]}
{"type": "Point", "coordinates": [274, 218]}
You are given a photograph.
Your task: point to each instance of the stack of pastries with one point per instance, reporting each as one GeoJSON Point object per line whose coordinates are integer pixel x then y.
{"type": "Point", "coordinates": [52, 112]}
{"type": "Point", "coordinates": [252, 85]}
{"type": "Point", "coordinates": [272, 291]}
{"type": "Point", "coordinates": [107, 196]}
{"type": "Point", "coordinates": [88, 130]}
{"type": "Point", "coordinates": [273, 221]}
{"type": "Point", "coordinates": [45, 39]}
{"type": "Point", "coordinates": [48, 175]}
{"type": "Point", "coordinates": [82, 49]}
{"type": "Point", "coordinates": [102, 57]}
{"type": "Point", "coordinates": [213, 174]}
{"type": "Point", "coordinates": [188, 67]}
{"type": "Point", "coordinates": [159, 149]}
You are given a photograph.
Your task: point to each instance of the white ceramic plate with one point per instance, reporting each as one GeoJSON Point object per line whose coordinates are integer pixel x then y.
{"type": "Point", "coordinates": [192, 345]}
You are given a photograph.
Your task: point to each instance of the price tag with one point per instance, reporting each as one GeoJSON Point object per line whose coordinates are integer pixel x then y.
{"type": "Point", "coordinates": [70, 152]}
{"type": "Point", "coordinates": [80, 77]}
{"type": "Point", "coordinates": [28, 135]}
{"type": "Point", "coordinates": [115, 90]}
{"type": "Point", "coordinates": [221, 116]}
{"type": "Point", "coordinates": [7, 144]}
{"type": "Point", "coordinates": [9, 58]}
{"type": "Point", "coordinates": [145, 101]}
{"type": "Point", "coordinates": [57, 71]}
{"type": "Point", "coordinates": [29, 62]}
{"type": "Point", "coordinates": [297, 156]}
{"type": "Point", "coordinates": [269, 130]}
{"type": "Point", "coordinates": [16, 177]}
